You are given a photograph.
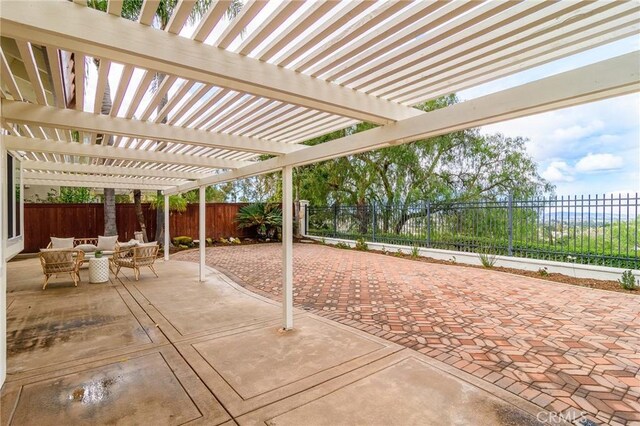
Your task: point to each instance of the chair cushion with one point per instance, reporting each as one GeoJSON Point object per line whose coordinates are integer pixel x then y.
{"type": "Point", "coordinates": [151, 244]}
{"type": "Point", "coordinates": [129, 244]}
{"type": "Point", "coordinates": [61, 243]}
{"type": "Point", "coordinates": [87, 248]}
{"type": "Point", "coordinates": [107, 243]}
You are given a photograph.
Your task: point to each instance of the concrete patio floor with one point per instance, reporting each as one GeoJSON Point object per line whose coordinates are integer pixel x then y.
{"type": "Point", "coordinates": [175, 351]}
{"type": "Point", "coordinates": [558, 346]}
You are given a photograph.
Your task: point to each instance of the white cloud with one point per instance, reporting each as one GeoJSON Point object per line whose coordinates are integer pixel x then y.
{"type": "Point", "coordinates": [598, 162]}
{"type": "Point", "coordinates": [557, 171]}
{"type": "Point", "coordinates": [576, 131]}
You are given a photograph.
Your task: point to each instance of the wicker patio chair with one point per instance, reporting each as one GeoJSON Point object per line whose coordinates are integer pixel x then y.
{"type": "Point", "coordinates": [135, 258]}
{"type": "Point", "coordinates": [61, 261]}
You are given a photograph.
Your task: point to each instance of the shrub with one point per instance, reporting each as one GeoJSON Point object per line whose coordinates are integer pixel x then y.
{"type": "Point", "coordinates": [628, 281]}
{"type": "Point", "coordinates": [209, 241]}
{"type": "Point", "coordinates": [415, 252]}
{"type": "Point", "coordinates": [361, 245]}
{"type": "Point", "coordinates": [342, 245]}
{"type": "Point", "coordinates": [183, 241]}
{"type": "Point", "coordinates": [266, 219]}
{"type": "Point", "coordinates": [487, 259]}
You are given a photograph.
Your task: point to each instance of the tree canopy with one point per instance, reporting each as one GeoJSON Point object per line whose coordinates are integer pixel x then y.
{"type": "Point", "coordinates": [460, 166]}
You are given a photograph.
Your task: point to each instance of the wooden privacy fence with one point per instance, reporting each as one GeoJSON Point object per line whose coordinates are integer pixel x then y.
{"type": "Point", "coordinates": [42, 221]}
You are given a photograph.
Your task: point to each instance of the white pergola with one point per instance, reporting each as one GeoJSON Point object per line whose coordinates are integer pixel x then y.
{"type": "Point", "coordinates": [196, 105]}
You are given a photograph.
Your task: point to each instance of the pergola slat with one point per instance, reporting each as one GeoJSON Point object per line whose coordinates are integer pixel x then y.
{"type": "Point", "coordinates": [278, 17]}
{"type": "Point", "coordinates": [248, 12]}
{"type": "Point", "coordinates": [56, 77]}
{"type": "Point", "coordinates": [8, 79]}
{"type": "Point", "coordinates": [26, 53]}
{"type": "Point", "coordinates": [125, 79]}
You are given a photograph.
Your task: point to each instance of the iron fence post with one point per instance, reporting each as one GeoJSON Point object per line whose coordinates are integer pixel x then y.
{"type": "Point", "coordinates": [510, 223]}
{"type": "Point", "coordinates": [428, 224]}
{"type": "Point", "coordinates": [335, 220]}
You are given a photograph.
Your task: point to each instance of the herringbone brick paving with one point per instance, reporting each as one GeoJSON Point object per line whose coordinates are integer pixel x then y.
{"type": "Point", "coordinates": [561, 347]}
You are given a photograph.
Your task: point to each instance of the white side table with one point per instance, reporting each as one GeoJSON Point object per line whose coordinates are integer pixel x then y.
{"type": "Point", "coordinates": [99, 270]}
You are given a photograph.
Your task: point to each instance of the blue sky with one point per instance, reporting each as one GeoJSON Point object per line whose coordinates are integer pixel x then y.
{"type": "Point", "coordinates": [587, 149]}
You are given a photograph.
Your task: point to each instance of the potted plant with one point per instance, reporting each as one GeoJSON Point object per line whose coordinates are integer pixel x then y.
{"type": "Point", "coordinates": [98, 254]}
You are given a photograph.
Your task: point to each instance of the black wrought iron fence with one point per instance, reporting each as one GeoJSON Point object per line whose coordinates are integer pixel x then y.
{"type": "Point", "coordinates": [598, 230]}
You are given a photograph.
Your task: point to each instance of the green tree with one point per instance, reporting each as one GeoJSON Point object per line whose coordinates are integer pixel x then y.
{"type": "Point", "coordinates": [69, 195]}
{"type": "Point", "coordinates": [211, 195]}
{"type": "Point", "coordinates": [459, 166]}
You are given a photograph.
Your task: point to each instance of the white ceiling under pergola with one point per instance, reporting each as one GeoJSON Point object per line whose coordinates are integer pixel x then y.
{"type": "Point", "coordinates": [278, 74]}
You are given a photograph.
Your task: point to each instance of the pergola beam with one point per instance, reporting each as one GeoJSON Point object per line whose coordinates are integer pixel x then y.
{"type": "Point", "coordinates": [134, 182]}
{"type": "Point", "coordinates": [80, 29]}
{"type": "Point", "coordinates": [115, 153]}
{"type": "Point", "coordinates": [602, 80]}
{"type": "Point", "coordinates": [91, 184]}
{"type": "Point", "coordinates": [32, 114]}
{"type": "Point", "coordinates": [107, 170]}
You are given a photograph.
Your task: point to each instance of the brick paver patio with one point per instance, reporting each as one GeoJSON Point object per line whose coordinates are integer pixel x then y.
{"type": "Point", "coordinates": [560, 346]}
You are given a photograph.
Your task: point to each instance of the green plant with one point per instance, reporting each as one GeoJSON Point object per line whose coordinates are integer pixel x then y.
{"type": "Point", "coordinates": [488, 260]}
{"type": "Point", "coordinates": [98, 254]}
{"type": "Point", "coordinates": [183, 241]}
{"type": "Point", "coordinates": [398, 253]}
{"type": "Point", "coordinates": [628, 281]}
{"type": "Point", "coordinates": [415, 252]}
{"type": "Point", "coordinates": [361, 244]}
{"type": "Point", "coordinates": [543, 272]}
{"type": "Point", "coordinates": [209, 241]}
{"type": "Point", "coordinates": [176, 203]}
{"type": "Point", "coordinates": [342, 245]}
{"type": "Point", "coordinates": [266, 219]}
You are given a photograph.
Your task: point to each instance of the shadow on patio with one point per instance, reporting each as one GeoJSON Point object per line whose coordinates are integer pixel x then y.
{"type": "Point", "coordinates": [174, 351]}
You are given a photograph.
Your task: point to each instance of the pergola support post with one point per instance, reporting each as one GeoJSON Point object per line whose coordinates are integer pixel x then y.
{"type": "Point", "coordinates": [166, 227]}
{"type": "Point", "coordinates": [303, 220]}
{"type": "Point", "coordinates": [202, 231]}
{"type": "Point", "coordinates": [287, 247]}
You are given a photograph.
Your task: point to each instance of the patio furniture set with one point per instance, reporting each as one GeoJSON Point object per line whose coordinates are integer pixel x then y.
{"type": "Point", "coordinates": [104, 255]}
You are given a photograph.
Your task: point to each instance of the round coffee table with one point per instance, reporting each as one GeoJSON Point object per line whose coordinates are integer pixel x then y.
{"type": "Point", "coordinates": [99, 270]}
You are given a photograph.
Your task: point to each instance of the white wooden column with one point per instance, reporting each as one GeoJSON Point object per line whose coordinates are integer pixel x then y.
{"type": "Point", "coordinates": [287, 247]}
{"type": "Point", "coordinates": [166, 227]}
{"type": "Point", "coordinates": [3, 263]}
{"type": "Point", "coordinates": [201, 228]}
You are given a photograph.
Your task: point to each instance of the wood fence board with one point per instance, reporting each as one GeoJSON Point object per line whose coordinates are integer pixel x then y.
{"type": "Point", "coordinates": [87, 220]}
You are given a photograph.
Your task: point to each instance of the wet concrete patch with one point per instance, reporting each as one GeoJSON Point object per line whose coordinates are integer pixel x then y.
{"type": "Point", "coordinates": [142, 390]}
{"type": "Point", "coordinates": [55, 327]}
